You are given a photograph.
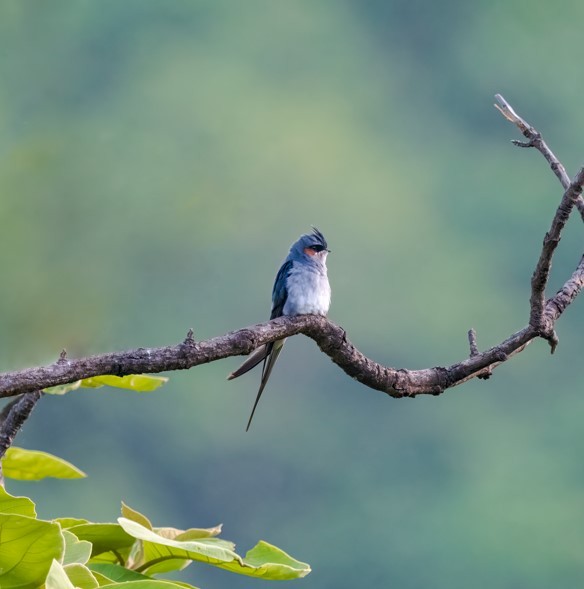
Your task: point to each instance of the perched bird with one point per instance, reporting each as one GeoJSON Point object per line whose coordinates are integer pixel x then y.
{"type": "Point", "coordinates": [301, 288]}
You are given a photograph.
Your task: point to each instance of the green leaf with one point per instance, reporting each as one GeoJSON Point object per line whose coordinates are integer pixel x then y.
{"type": "Point", "coordinates": [116, 572]}
{"type": "Point", "coordinates": [141, 383]}
{"type": "Point", "coordinates": [145, 584]}
{"type": "Point", "coordinates": [135, 516]}
{"type": "Point", "coordinates": [34, 465]}
{"type": "Point", "coordinates": [270, 562]}
{"type": "Point", "coordinates": [184, 585]}
{"type": "Point", "coordinates": [28, 549]}
{"type": "Point", "coordinates": [195, 533]}
{"type": "Point", "coordinates": [16, 505]}
{"type": "Point", "coordinates": [101, 579]}
{"type": "Point", "coordinates": [103, 537]}
{"type": "Point", "coordinates": [76, 551]}
{"type": "Point", "coordinates": [81, 576]}
{"type": "Point", "coordinates": [121, 556]}
{"type": "Point", "coordinates": [69, 522]}
{"type": "Point", "coordinates": [163, 554]}
{"type": "Point", "coordinates": [57, 578]}
{"type": "Point", "coordinates": [264, 560]}
{"type": "Point", "coordinates": [62, 389]}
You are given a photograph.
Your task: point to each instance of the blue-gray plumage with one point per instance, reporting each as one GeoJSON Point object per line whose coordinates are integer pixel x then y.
{"type": "Point", "coordinates": [301, 288]}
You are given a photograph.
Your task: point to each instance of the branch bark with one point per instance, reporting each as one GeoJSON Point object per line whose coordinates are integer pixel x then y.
{"type": "Point", "coordinates": [12, 418]}
{"type": "Point", "coordinates": [332, 339]}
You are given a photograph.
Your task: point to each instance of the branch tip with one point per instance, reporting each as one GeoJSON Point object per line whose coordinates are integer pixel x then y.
{"type": "Point", "coordinates": [472, 342]}
{"type": "Point", "coordinates": [506, 110]}
{"type": "Point", "coordinates": [518, 143]}
{"type": "Point", "coordinates": [553, 341]}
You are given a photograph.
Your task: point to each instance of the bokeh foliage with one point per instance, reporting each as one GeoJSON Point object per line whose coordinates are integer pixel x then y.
{"type": "Point", "coordinates": [157, 159]}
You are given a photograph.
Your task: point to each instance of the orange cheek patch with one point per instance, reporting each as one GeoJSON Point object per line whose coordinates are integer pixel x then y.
{"type": "Point", "coordinates": [309, 251]}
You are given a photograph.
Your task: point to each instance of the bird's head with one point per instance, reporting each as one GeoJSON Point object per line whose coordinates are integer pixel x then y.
{"type": "Point", "coordinates": [312, 246]}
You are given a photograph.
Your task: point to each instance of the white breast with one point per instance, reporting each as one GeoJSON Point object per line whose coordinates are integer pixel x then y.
{"type": "Point", "coordinates": [308, 291]}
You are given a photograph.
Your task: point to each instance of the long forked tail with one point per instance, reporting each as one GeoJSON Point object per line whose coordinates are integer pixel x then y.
{"type": "Point", "coordinates": [273, 351]}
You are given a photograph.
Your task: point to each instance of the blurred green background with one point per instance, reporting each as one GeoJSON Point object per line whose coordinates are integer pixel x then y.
{"type": "Point", "coordinates": [156, 161]}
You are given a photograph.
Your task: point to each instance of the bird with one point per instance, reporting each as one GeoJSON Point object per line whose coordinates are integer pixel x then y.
{"type": "Point", "coordinates": [301, 288]}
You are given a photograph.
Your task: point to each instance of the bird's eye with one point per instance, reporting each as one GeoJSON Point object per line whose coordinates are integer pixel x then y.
{"type": "Point", "coordinates": [317, 248]}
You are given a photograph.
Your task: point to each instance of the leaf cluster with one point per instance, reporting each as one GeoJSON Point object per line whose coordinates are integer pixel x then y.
{"type": "Point", "coordinates": [69, 553]}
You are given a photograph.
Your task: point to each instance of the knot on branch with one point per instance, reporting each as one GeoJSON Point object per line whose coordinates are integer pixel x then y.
{"type": "Point", "coordinates": [444, 380]}
{"type": "Point", "coordinates": [551, 337]}
{"type": "Point", "coordinates": [247, 341]}
{"type": "Point", "coordinates": [543, 325]}
{"type": "Point", "coordinates": [189, 341]}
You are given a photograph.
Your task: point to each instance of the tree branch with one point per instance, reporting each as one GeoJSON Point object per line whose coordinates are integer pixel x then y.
{"type": "Point", "coordinates": [12, 418]}
{"type": "Point", "coordinates": [332, 339]}
{"type": "Point", "coordinates": [572, 197]}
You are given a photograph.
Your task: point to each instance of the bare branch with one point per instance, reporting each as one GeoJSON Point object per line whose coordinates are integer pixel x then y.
{"type": "Point", "coordinates": [332, 339]}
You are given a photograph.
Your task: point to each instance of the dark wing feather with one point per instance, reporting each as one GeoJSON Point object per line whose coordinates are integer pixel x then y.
{"type": "Point", "coordinates": [280, 292]}
{"type": "Point", "coordinates": [252, 361]}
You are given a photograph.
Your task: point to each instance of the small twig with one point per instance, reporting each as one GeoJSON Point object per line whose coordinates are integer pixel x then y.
{"type": "Point", "coordinates": [190, 339]}
{"type": "Point", "coordinates": [474, 351]}
{"type": "Point", "coordinates": [472, 342]}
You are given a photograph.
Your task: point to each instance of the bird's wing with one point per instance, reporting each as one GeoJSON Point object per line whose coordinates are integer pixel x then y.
{"type": "Point", "coordinates": [280, 291]}
{"type": "Point", "coordinates": [279, 296]}
{"type": "Point", "coordinates": [275, 349]}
